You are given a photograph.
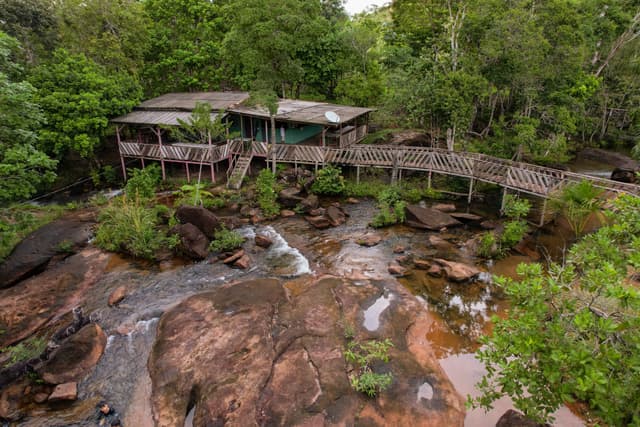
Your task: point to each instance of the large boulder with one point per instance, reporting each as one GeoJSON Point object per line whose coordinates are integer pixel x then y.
{"type": "Point", "coordinates": [336, 215]}
{"type": "Point", "coordinates": [252, 354]}
{"type": "Point", "coordinates": [202, 218]}
{"type": "Point", "coordinates": [309, 203]}
{"type": "Point", "coordinates": [429, 219]}
{"type": "Point", "coordinates": [33, 254]}
{"type": "Point", "coordinates": [41, 299]}
{"type": "Point", "coordinates": [290, 197]}
{"type": "Point", "coordinates": [616, 160]}
{"type": "Point", "coordinates": [513, 418]}
{"type": "Point", "coordinates": [193, 242]}
{"type": "Point", "coordinates": [457, 271]}
{"type": "Point", "coordinates": [624, 175]}
{"type": "Point", "coordinates": [76, 357]}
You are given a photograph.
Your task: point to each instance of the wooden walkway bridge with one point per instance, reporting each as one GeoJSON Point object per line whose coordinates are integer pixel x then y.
{"type": "Point", "coordinates": [517, 176]}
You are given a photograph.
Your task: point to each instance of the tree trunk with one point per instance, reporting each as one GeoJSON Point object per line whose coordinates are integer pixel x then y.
{"type": "Point", "coordinates": [273, 143]}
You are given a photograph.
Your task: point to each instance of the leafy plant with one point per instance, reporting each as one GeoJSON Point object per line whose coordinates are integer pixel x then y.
{"type": "Point", "coordinates": [487, 245]}
{"type": "Point", "coordinates": [329, 181]}
{"type": "Point", "coordinates": [392, 208]}
{"type": "Point", "coordinates": [363, 355]}
{"type": "Point", "coordinates": [573, 331]}
{"type": "Point", "coordinates": [226, 240]}
{"type": "Point", "coordinates": [267, 193]}
{"type": "Point", "coordinates": [143, 182]}
{"type": "Point", "coordinates": [577, 203]}
{"type": "Point", "coordinates": [492, 245]}
{"type": "Point", "coordinates": [127, 225]}
{"type": "Point", "coordinates": [193, 194]}
{"type": "Point", "coordinates": [25, 350]}
{"type": "Point", "coordinates": [65, 247]}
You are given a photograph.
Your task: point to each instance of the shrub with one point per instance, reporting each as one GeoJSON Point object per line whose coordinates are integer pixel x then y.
{"type": "Point", "coordinates": [226, 240]}
{"type": "Point", "coordinates": [392, 208]}
{"type": "Point", "coordinates": [194, 195]}
{"type": "Point", "coordinates": [370, 188]}
{"type": "Point", "coordinates": [128, 226]}
{"type": "Point", "coordinates": [329, 181]}
{"type": "Point", "coordinates": [363, 355]}
{"type": "Point", "coordinates": [577, 203]}
{"type": "Point", "coordinates": [515, 208]}
{"type": "Point", "coordinates": [267, 190]}
{"type": "Point", "coordinates": [143, 182]}
{"type": "Point", "coordinates": [488, 244]}
{"type": "Point", "coordinates": [26, 350]}
{"type": "Point", "coordinates": [513, 232]}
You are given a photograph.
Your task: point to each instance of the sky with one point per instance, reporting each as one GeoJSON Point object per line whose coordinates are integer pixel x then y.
{"type": "Point", "coordinates": [357, 6]}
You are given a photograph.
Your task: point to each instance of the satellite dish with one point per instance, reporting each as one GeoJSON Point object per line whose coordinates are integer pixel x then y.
{"type": "Point", "coordinates": [332, 117]}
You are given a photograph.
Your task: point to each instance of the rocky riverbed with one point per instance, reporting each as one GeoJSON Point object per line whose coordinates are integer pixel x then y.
{"type": "Point", "coordinates": [205, 344]}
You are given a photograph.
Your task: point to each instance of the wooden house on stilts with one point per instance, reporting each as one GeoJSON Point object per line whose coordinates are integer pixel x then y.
{"type": "Point", "coordinates": [305, 130]}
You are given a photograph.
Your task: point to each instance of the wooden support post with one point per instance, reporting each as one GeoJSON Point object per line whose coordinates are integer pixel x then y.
{"type": "Point", "coordinates": [213, 175]}
{"type": "Point", "coordinates": [470, 191]}
{"type": "Point", "coordinates": [142, 162]}
{"type": "Point", "coordinates": [164, 174]}
{"type": "Point", "coordinates": [358, 174]}
{"type": "Point", "coordinates": [242, 131]}
{"type": "Point", "coordinates": [316, 167]}
{"type": "Point", "coordinates": [186, 168]}
{"type": "Point", "coordinates": [504, 200]}
{"type": "Point", "coordinates": [251, 124]}
{"type": "Point", "coordinates": [544, 211]}
{"type": "Point", "coordinates": [124, 167]}
{"type": "Point", "coordinates": [429, 180]}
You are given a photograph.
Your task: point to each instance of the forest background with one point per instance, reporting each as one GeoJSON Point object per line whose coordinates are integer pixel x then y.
{"type": "Point", "coordinates": [531, 79]}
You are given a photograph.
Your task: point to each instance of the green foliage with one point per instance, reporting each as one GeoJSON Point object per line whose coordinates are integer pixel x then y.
{"type": "Point", "coordinates": [127, 225]}
{"type": "Point", "coordinates": [200, 127]}
{"type": "Point", "coordinates": [392, 208]}
{"type": "Point", "coordinates": [329, 181]}
{"type": "Point", "coordinates": [577, 203]}
{"type": "Point", "coordinates": [25, 350]}
{"type": "Point", "coordinates": [143, 182]}
{"type": "Point", "coordinates": [267, 193]}
{"type": "Point", "coordinates": [363, 355]}
{"type": "Point", "coordinates": [65, 247]}
{"type": "Point", "coordinates": [492, 245]}
{"type": "Point", "coordinates": [488, 245]}
{"type": "Point", "coordinates": [366, 188]}
{"type": "Point", "coordinates": [195, 195]}
{"type": "Point", "coordinates": [226, 240]}
{"type": "Point", "coordinates": [515, 208]}
{"type": "Point", "coordinates": [573, 331]}
{"type": "Point", "coordinates": [78, 96]}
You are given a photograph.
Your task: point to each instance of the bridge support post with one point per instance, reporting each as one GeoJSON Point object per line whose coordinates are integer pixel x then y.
{"type": "Point", "coordinates": [429, 181]}
{"type": "Point", "coordinates": [186, 168]}
{"type": "Point", "coordinates": [358, 174]}
{"type": "Point", "coordinates": [470, 191]}
{"type": "Point", "coordinates": [544, 211]}
{"type": "Point", "coordinates": [504, 200]}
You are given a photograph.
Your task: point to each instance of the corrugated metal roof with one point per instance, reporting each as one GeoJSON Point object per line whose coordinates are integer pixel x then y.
{"type": "Point", "coordinates": [293, 110]}
{"type": "Point", "coordinates": [187, 100]}
{"type": "Point", "coordinates": [169, 118]}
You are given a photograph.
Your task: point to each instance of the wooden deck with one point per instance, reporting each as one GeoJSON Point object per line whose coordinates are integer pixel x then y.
{"type": "Point", "coordinates": [531, 179]}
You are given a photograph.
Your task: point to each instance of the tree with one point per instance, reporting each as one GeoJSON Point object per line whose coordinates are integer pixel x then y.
{"type": "Point", "coordinates": [24, 169]}
{"type": "Point", "coordinates": [78, 97]}
{"type": "Point", "coordinates": [267, 99]}
{"type": "Point", "coordinates": [573, 332]}
{"type": "Point", "coordinates": [33, 24]}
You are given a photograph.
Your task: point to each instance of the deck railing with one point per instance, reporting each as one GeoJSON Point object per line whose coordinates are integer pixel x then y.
{"type": "Point", "coordinates": [525, 177]}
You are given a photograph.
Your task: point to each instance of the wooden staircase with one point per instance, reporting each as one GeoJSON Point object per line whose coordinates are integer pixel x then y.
{"type": "Point", "coordinates": [238, 169]}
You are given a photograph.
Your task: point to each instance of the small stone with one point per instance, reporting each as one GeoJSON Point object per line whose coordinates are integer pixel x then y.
{"type": "Point", "coordinates": [403, 259]}
{"type": "Point", "coordinates": [256, 219]}
{"type": "Point", "coordinates": [243, 262]}
{"type": "Point", "coordinates": [513, 418]}
{"type": "Point", "coordinates": [263, 241]}
{"type": "Point", "coordinates": [66, 391]}
{"type": "Point", "coordinates": [421, 264]}
{"type": "Point", "coordinates": [40, 397]}
{"type": "Point", "coordinates": [399, 249]}
{"type": "Point", "coordinates": [317, 212]}
{"type": "Point", "coordinates": [319, 222]}
{"type": "Point", "coordinates": [309, 203]}
{"type": "Point", "coordinates": [352, 201]}
{"type": "Point", "coordinates": [286, 213]}
{"type": "Point", "coordinates": [369, 240]}
{"type": "Point", "coordinates": [488, 225]}
{"type": "Point", "coordinates": [117, 295]}
{"type": "Point", "coordinates": [397, 270]}
{"type": "Point", "coordinates": [233, 258]}
{"type": "Point", "coordinates": [444, 207]}
{"type": "Point", "coordinates": [335, 215]}
{"type": "Point", "coordinates": [435, 271]}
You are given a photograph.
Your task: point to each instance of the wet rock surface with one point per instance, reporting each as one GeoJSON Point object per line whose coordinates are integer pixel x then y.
{"type": "Point", "coordinates": [34, 252]}
{"type": "Point", "coordinates": [255, 353]}
{"type": "Point", "coordinates": [513, 418]}
{"type": "Point", "coordinates": [430, 219]}
{"type": "Point", "coordinates": [193, 242]}
{"type": "Point", "coordinates": [205, 220]}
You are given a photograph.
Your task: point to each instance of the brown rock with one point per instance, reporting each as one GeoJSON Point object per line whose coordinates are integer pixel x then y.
{"type": "Point", "coordinates": [466, 217]}
{"type": "Point", "coordinates": [369, 240]}
{"type": "Point", "coordinates": [336, 216]}
{"type": "Point", "coordinates": [193, 242]}
{"type": "Point", "coordinates": [488, 225]}
{"type": "Point", "coordinates": [421, 264]}
{"type": "Point", "coordinates": [430, 219]}
{"type": "Point", "coordinates": [290, 197]}
{"type": "Point", "coordinates": [35, 251]}
{"type": "Point", "coordinates": [352, 201]}
{"type": "Point", "coordinates": [399, 249]}
{"type": "Point", "coordinates": [66, 391]}
{"type": "Point", "coordinates": [263, 241]}
{"type": "Point", "coordinates": [243, 262]}
{"type": "Point", "coordinates": [117, 295]}
{"type": "Point", "coordinates": [256, 219]}
{"type": "Point", "coordinates": [397, 270]}
{"type": "Point", "coordinates": [11, 398]}
{"type": "Point", "coordinates": [435, 271]}
{"type": "Point", "coordinates": [309, 203]}
{"type": "Point", "coordinates": [457, 271]}
{"type": "Point", "coordinates": [624, 175]}
{"type": "Point", "coordinates": [319, 222]}
{"type": "Point", "coordinates": [317, 212]}
{"type": "Point", "coordinates": [200, 217]}
{"type": "Point", "coordinates": [76, 357]}
{"type": "Point", "coordinates": [404, 260]}
{"type": "Point", "coordinates": [233, 258]}
{"type": "Point", "coordinates": [40, 397]}
{"type": "Point", "coordinates": [513, 418]}
{"type": "Point", "coordinates": [286, 213]}
{"type": "Point", "coordinates": [444, 207]}
{"type": "Point", "coordinates": [247, 211]}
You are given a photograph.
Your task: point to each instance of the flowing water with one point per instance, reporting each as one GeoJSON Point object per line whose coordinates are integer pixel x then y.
{"type": "Point", "coordinates": [460, 312]}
